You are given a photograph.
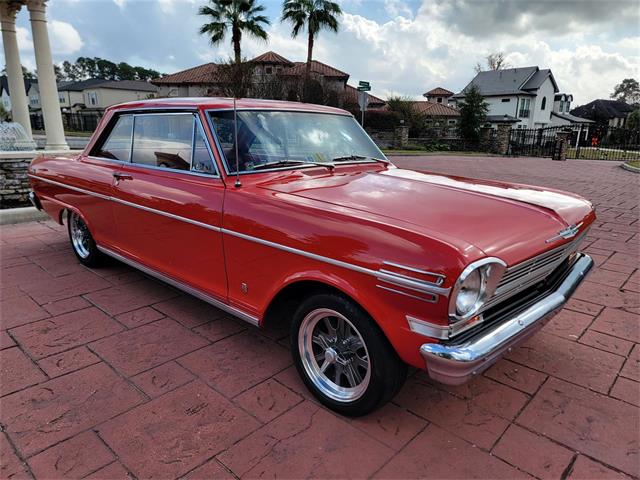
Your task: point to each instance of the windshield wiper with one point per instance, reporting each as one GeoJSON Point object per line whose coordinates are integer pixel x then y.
{"type": "Point", "coordinates": [284, 163]}
{"type": "Point", "coordinates": [279, 163]}
{"type": "Point", "coordinates": [360, 157]}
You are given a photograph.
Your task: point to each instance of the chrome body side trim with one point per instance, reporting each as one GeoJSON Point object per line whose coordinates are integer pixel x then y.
{"type": "Point", "coordinates": [455, 364]}
{"type": "Point", "coordinates": [184, 287]}
{"type": "Point", "coordinates": [389, 277]}
{"type": "Point", "coordinates": [432, 298]}
{"type": "Point", "coordinates": [440, 278]}
{"type": "Point", "coordinates": [394, 279]}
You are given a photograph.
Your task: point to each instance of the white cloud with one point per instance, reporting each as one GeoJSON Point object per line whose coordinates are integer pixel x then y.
{"type": "Point", "coordinates": [64, 38]}
{"type": "Point", "coordinates": [120, 3]}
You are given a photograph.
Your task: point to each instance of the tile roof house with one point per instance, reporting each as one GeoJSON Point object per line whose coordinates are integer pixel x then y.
{"type": "Point", "coordinates": [439, 95]}
{"type": "Point", "coordinates": [524, 96]}
{"type": "Point", "coordinates": [613, 113]}
{"type": "Point", "coordinates": [438, 114]}
{"type": "Point", "coordinates": [201, 80]}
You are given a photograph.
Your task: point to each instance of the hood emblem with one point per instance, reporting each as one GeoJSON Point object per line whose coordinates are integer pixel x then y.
{"type": "Point", "coordinates": [566, 233]}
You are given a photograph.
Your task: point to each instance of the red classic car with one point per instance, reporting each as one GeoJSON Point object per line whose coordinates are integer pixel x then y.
{"type": "Point", "coordinates": [277, 211]}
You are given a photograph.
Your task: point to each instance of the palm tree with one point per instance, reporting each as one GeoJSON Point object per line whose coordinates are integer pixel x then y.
{"type": "Point", "coordinates": [314, 15]}
{"type": "Point", "coordinates": [240, 16]}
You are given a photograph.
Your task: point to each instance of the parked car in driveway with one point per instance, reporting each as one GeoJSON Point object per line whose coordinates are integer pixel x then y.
{"type": "Point", "coordinates": [286, 212]}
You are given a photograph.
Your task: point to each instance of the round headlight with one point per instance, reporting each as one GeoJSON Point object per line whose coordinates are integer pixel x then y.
{"type": "Point", "coordinates": [469, 293]}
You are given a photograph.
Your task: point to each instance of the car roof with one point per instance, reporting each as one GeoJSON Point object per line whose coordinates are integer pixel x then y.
{"type": "Point", "coordinates": [224, 103]}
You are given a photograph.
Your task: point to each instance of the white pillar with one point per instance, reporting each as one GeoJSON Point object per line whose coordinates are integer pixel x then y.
{"type": "Point", "coordinates": [46, 77]}
{"type": "Point", "coordinates": [19, 106]}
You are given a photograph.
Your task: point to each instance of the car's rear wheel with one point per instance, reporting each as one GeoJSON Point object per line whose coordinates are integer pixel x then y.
{"type": "Point", "coordinates": [82, 242]}
{"type": "Point", "coordinates": [343, 357]}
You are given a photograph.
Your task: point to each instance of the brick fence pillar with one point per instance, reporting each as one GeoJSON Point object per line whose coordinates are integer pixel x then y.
{"type": "Point", "coordinates": [502, 138]}
{"type": "Point", "coordinates": [561, 145]}
{"type": "Point", "coordinates": [401, 136]}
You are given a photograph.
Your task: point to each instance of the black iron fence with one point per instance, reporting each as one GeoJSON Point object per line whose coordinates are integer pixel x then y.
{"type": "Point", "coordinates": [589, 142]}
{"type": "Point", "coordinates": [73, 122]}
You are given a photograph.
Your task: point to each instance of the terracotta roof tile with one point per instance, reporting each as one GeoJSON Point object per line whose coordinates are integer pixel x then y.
{"type": "Point", "coordinates": [439, 91]}
{"type": "Point", "coordinates": [298, 68]}
{"type": "Point", "coordinates": [271, 57]}
{"type": "Point", "coordinates": [200, 74]}
{"type": "Point", "coordinates": [436, 109]}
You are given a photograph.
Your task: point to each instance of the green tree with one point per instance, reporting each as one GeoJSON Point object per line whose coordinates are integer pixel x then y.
{"type": "Point", "coordinates": [633, 120]}
{"type": "Point", "coordinates": [239, 16]}
{"type": "Point", "coordinates": [406, 109]}
{"type": "Point", "coordinates": [473, 113]}
{"type": "Point", "coordinates": [627, 91]}
{"type": "Point", "coordinates": [70, 71]}
{"type": "Point", "coordinates": [314, 15]}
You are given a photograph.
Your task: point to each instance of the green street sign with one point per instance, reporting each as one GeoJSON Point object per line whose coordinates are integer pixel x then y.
{"type": "Point", "coordinates": [364, 88]}
{"type": "Point", "coordinates": [364, 84]}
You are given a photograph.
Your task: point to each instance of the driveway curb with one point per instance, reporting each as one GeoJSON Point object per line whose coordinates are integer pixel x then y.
{"type": "Point", "coordinates": [630, 168]}
{"type": "Point", "coordinates": [21, 215]}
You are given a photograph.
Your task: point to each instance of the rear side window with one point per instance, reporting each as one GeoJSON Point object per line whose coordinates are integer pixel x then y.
{"type": "Point", "coordinates": [118, 144]}
{"type": "Point", "coordinates": [163, 140]}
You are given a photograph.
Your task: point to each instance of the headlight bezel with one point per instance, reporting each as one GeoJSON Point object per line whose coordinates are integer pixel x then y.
{"type": "Point", "coordinates": [491, 270]}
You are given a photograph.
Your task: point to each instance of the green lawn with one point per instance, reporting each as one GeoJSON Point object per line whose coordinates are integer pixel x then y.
{"type": "Point", "coordinates": [634, 163]}
{"type": "Point", "coordinates": [589, 153]}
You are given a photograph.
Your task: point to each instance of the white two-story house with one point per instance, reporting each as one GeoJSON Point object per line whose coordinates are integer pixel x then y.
{"type": "Point", "coordinates": [526, 97]}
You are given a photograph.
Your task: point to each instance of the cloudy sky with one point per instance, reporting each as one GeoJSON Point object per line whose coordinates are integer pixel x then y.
{"type": "Point", "coordinates": [400, 46]}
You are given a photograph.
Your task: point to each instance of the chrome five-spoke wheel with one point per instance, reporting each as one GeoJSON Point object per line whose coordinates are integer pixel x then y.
{"type": "Point", "coordinates": [81, 241]}
{"type": "Point", "coordinates": [334, 355]}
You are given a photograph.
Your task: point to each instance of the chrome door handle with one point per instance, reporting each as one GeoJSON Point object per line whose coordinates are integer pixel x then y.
{"type": "Point", "coordinates": [120, 176]}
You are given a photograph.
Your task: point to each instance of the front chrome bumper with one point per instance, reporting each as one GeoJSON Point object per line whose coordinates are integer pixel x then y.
{"type": "Point", "coordinates": [455, 364]}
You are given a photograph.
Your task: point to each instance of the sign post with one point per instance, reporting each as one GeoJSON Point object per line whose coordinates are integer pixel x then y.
{"type": "Point", "coordinates": [363, 97]}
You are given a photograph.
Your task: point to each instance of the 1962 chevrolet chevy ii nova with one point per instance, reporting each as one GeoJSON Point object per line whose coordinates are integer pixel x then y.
{"type": "Point", "coordinates": [285, 211]}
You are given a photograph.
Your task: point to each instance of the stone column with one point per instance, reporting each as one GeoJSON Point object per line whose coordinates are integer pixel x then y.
{"type": "Point", "coordinates": [19, 106]}
{"type": "Point", "coordinates": [502, 138]}
{"type": "Point", "coordinates": [46, 77]}
{"type": "Point", "coordinates": [401, 136]}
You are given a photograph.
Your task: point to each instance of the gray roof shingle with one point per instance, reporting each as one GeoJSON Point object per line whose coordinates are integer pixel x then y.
{"type": "Point", "coordinates": [510, 81]}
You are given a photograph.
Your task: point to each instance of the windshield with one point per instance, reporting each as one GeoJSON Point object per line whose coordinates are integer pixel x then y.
{"type": "Point", "coordinates": [277, 139]}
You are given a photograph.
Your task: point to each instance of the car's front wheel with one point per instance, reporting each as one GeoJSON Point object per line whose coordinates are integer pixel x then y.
{"type": "Point", "coordinates": [82, 242]}
{"type": "Point", "coordinates": [343, 357]}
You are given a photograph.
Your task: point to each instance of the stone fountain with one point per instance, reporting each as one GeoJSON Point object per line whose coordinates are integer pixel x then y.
{"type": "Point", "coordinates": [13, 138]}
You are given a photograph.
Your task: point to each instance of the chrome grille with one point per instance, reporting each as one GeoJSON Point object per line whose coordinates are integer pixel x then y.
{"type": "Point", "coordinates": [527, 273]}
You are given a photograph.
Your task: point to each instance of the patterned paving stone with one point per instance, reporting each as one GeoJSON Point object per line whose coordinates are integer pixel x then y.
{"type": "Point", "coordinates": [550, 459]}
{"type": "Point", "coordinates": [212, 470]}
{"type": "Point", "coordinates": [129, 297]}
{"type": "Point", "coordinates": [439, 454]}
{"type": "Point", "coordinates": [139, 317]}
{"type": "Point", "coordinates": [46, 291]}
{"type": "Point", "coordinates": [68, 361]}
{"type": "Point", "coordinates": [631, 368]}
{"type": "Point", "coordinates": [11, 467]}
{"type": "Point", "coordinates": [570, 361]}
{"type": "Point", "coordinates": [599, 426]}
{"type": "Point", "coordinates": [203, 423]}
{"type": "Point", "coordinates": [618, 323]}
{"type": "Point", "coordinates": [45, 414]}
{"type": "Point", "coordinates": [606, 342]}
{"type": "Point", "coordinates": [162, 379]}
{"type": "Point", "coordinates": [219, 329]}
{"type": "Point", "coordinates": [66, 305]}
{"type": "Point", "coordinates": [517, 376]}
{"type": "Point", "coordinates": [189, 311]}
{"type": "Point", "coordinates": [73, 458]}
{"type": "Point", "coordinates": [568, 324]}
{"type": "Point", "coordinates": [137, 350]}
{"type": "Point", "coordinates": [237, 363]}
{"type": "Point", "coordinates": [113, 471]}
{"type": "Point", "coordinates": [17, 371]}
{"type": "Point", "coordinates": [586, 469]}
{"type": "Point", "coordinates": [19, 311]}
{"type": "Point", "coordinates": [461, 417]}
{"type": "Point", "coordinates": [627, 390]}
{"type": "Point", "coordinates": [306, 442]}
{"type": "Point", "coordinates": [5, 340]}
{"type": "Point", "coordinates": [268, 400]}
{"type": "Point", "coordinates": [64, 332]}
{"type": "Point", "coordinates": [23, 275]}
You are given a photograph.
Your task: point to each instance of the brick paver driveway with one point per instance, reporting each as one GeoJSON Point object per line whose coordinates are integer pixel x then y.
{"type": "Point", "coordinates": [108, 374]}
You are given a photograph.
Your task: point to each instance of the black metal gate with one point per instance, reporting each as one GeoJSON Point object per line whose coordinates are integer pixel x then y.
{"type": "Point", "coordinates": [588, 142]}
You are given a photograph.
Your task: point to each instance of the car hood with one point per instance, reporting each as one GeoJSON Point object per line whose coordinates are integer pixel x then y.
{"type": "Point", "coordinates": [509, 221]}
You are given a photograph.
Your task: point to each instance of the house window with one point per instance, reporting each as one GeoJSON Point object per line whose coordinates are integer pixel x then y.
{"type": "Point", "coordinates": [278, 68]}
{"type": "Point", "coordinates": [33, 100]}
{"type": "Point", "coordinates": [566, 107]}
{"type": "Point", "coordinates": [525, 104]}
{"type": "Point", "coordinates": [61, 98]}
{"type": "Point", "coordinates": [268, 70]}
{"type": "Point", "coordinates": [561, 109]}
{"type": "Point", "coordinates": [544, 103]}
{"type": "Point", "coordinates": [439, 99]}
{"type": "Point", "coordinates": [506, 100]}
{"type": "Point", "coordinates": [92, 98]}
{"type": "Point", "coordinates": [452, 122]}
